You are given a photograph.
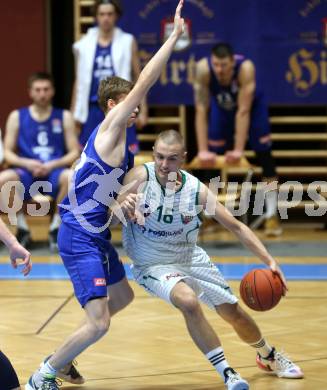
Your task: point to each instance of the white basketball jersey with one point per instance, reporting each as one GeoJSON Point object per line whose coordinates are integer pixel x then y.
{"type": "Point", "coordinates": [171, 228]}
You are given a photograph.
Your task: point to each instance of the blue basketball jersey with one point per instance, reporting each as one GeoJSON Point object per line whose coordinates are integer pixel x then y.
{"type": "Point", "coordinates": [223, 107]}
{"type": "Point", "coordinates": [42, 141]}
{"type": "Point", "coordinates": [94, 187]}
{"type": "Point", "coordinates": [225, 97]}
{"type": "Point", "coordinates": [102, 67]}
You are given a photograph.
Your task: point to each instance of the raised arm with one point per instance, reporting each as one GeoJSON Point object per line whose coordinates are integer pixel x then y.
{"type": "Point", "coordinates": [118, 116]}
{"type": "Point", "coordinates": [136, 70]}
{"type": "Point", "coordinates": [208, 200]}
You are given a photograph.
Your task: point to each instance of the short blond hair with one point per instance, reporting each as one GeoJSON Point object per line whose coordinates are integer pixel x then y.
{"type": "Point", "coordinates": [171, 137]}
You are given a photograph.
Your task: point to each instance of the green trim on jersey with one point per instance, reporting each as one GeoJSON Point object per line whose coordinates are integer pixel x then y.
{"type": "Point", "coordinates": [163, 188]}
{"type": "Point", "coordinates": [199, 215]}
{"type": "Point", "coordinates": [147, 172]}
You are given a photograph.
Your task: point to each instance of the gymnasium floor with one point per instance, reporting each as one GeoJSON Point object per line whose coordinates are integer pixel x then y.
{"type": "Point", "coordinates": [148, 347]}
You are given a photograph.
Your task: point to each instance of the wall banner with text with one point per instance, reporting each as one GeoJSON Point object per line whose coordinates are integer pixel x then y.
{"type": "Point", "coordinates": [286, 40]}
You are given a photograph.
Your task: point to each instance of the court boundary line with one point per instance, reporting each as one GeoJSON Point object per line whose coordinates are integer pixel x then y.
{"type": "Point", "coordinates": [54, 313]}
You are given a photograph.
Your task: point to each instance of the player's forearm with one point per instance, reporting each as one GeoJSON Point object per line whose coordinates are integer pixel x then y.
{"type": "Point", "coordinates": [14, 160]}
{"type": "Point", "coordinates": [251, 241]}
{"type": "Point", "coordinates": [6, 236]}
{"type": "Point", "coordinates": [201, 128]}
{"type": "Point", "coordinates": [242, 124]}
{"type": "Point", "coordinates": [153, 69]}
{"type": "Point", "coordinates": [66, 161]}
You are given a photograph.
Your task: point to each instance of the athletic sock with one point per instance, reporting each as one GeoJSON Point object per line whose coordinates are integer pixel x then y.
{"type": "Point", "coordinates": [21, 221]}
{"type": "Point", "coordinates": [45, 369]}
{"type": "Point", "coordinates": [217, 358]}
{"type": "Point", "coordinates": [55, 223]}
{"type": "Point", "coordinates": [271, 202]}
{"type": "Point", "coordinates": [262, 347]}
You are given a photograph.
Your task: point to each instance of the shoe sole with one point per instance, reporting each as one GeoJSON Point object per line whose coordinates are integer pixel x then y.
{"type": "Point", "coordinates": [274, 233]}
{"type": "Point", "coordinates": [28, 387]}
{"type": "Point", "coordinates": [269, 371]}
{"type": "Point", "coordinates": [241, 386]}
{"type": "Point", "coordinates": [68, 379]}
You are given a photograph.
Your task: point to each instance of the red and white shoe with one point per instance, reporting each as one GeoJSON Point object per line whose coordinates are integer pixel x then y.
{"type": "Point", "coordinates": [279, 364]}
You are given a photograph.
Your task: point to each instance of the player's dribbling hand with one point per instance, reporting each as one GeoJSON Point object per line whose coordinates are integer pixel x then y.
{"type": "Point", "coordinates": [178, 20]}
{"type": "Point", "coordinates": [128, 206]}
{"type": "Point", "coordinates": [18, 252]}
{"type": "Point", "coordinates": [276, 270]}
{"type": "Point", "coordinates": [233, 156]}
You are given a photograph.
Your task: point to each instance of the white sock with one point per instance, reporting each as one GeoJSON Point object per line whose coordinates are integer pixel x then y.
{"type": "Point", "coordinates": [45, 369]}
{"type": "Point", "coordinates": [262, 347]}
{"type": "Point", "coordinates": [217, 358]}
{"type": "Point", "coordinates": [55, 223]}
{"type": "Point", "coordinates": [271, 199]}
{"type": "Point", "coordinates": [21, 221]}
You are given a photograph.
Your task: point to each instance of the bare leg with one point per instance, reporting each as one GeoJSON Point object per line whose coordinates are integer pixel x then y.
{"type": "Point", "coordinates": [96, 325]}
{"type": "Point", "coordinates": [64, 180]}
{"type": "Point", "coordinates": [120, 296]}
{"type": "Point", "coordinates": [244, 325]}
{"type": "Point", "coordinates": [203, 335]}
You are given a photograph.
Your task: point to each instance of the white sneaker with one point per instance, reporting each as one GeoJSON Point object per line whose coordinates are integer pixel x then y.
{"type": "Point", "coordinates": [233, 380]}
{"type": "Point", "coordinates": [279, 364]}
{"type": "Point", "coordinates": [69, 373]}
{"type": "Point", "coordinates": [48, 382]}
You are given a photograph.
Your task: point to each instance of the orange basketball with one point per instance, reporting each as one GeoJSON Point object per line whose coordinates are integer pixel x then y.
{"type": "Point", "coordinates": [261, 289]}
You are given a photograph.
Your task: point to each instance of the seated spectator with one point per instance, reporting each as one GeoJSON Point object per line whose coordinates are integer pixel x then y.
{"type": "Point", "coordinates": [40, 144]}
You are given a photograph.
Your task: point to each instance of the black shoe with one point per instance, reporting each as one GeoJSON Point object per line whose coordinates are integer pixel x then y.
{"type": "Point", "coordinates": [53, 241]}
{"type": "Point", "coordinates": [24, 237]}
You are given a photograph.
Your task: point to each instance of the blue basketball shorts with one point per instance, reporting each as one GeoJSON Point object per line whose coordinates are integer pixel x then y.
{"type": "Point", "coordinates": [91, 264]}
{"type": "Point", "coordinates": [27, 180]}
{"type": "Point", "coordinates": [221, 129]}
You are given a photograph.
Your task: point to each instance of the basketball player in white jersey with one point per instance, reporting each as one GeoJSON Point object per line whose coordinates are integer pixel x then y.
{"type": "Point", "coordinates": [169, 264]}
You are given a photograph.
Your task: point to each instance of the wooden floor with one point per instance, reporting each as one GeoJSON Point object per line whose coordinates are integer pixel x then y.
{"type": "Point", "coordinates": [148, 347]}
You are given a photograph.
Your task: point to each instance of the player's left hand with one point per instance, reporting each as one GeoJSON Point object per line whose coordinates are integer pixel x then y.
{"type": "Point", "coordinates": [178, 20]}
{"type": "Point", "coordinates": [233, 156]}
{"type": "Point", "coordinates": [276, 270]}
{"type": "Point", "coordinates": [18, 252]}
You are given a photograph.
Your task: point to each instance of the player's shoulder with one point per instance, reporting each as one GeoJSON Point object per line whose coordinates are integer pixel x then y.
{"type": "Point", "coordinates": [202, 70]}
{"type": "Point", "coordinates": [202, 64]}
{"type": "Point", "coordinates": [14, 114]}
{"type": "Point", "coordinates": [247, 65]}
{"type": "Point", "coordinates": [190, 179]}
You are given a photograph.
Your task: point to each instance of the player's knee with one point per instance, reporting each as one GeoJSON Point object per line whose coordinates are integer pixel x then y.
{"type": "Point", "coordinates": [99, 327]}
{"type": "Point", "coordinates": [230, 312]}
{"type": "Point", "coordinates": [127, 298]}
{"type": "Point", "coordinates": [187, 302]}
{"type": "Point", "coordinates": [7, 175]}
